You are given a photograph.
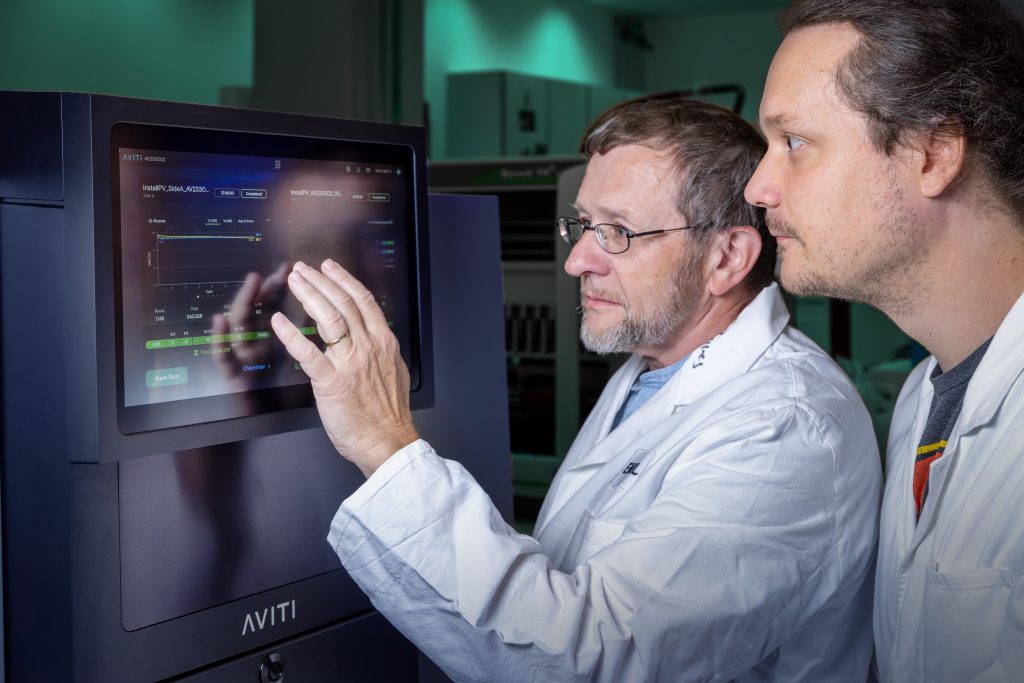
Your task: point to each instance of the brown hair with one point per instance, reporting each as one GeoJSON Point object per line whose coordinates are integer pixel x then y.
{"type": "Point", "coordinates": [935, 66]}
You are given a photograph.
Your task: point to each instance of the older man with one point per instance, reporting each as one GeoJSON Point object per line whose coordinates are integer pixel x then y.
{"type": "Point", "coordinates": [894, 177]}
{"type": "Point", "coordinates": [714, 519]}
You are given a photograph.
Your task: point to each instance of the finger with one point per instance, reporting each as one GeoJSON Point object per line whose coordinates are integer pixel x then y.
{"type": "Point", "coordinates": [314, 363]}
{"type": "Point", "coordinates": [369, 310]}
{"type": "Point", "coordinates": [328, 318]}
{"type": "Point", "coordinates": [337, 298]}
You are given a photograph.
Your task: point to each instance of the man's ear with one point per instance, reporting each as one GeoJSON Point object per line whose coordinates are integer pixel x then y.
{"type": "Point", "coordinates": [942, 156]}
{"type": "Point", "coordinates": [732, 255]}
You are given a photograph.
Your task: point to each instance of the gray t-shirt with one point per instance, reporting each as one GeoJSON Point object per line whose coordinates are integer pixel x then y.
{"type": "Point", "coordinates": [947, 401]}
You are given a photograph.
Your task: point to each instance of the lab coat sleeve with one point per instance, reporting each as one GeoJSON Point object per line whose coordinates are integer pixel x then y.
{"type": "Point", "coordinates": [736, 549]}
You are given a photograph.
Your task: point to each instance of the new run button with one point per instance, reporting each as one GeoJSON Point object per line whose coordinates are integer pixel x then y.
{"type": "Point", "coordinates": [166, 377]}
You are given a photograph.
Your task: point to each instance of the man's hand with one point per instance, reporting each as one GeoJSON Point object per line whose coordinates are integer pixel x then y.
{"type": "Point", "coordinates": [360, 382]}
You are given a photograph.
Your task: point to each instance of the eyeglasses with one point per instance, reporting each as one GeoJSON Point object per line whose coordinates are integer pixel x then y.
{"type": "Point", "coordinates": [613, 238]}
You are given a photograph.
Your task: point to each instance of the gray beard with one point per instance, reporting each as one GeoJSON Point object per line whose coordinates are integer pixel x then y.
{"type": "Point", "coordinates": [656, 328]}
{"type": "Point", "coordinates": [630, 334]}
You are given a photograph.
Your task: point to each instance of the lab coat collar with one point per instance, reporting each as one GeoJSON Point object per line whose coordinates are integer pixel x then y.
{"type": "Point", "coordinates": [997, 372]}
{"type": "Point", "coordinates": [711, 365]}
{"type": "Point", "coordinates": [732, 352]}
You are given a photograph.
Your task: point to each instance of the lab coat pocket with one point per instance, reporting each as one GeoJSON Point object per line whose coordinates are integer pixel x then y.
{"type": "Point", "coordinates": [964, 614]}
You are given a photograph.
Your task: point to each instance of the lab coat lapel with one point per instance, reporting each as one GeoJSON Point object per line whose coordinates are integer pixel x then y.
{"type": "Point", "coordinates": [594, 445]}
{"type": "Point", "coordinates": [902, 453]}
{"type": "Point", "coordinates": [997, 373]}
{"type": "Point", "coordinates": [734, 351]}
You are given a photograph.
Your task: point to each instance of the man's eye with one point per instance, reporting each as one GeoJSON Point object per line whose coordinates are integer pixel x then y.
{"type": "Point", "coordinates": [619, 231]}
{"type": "Point", "coordinates": [793, 143]}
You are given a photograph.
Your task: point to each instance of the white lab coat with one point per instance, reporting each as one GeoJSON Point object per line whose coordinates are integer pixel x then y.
{"type": "Point", "coordinates": [949, 603]}
{"type": "Point", "coordinates": [738, 545]}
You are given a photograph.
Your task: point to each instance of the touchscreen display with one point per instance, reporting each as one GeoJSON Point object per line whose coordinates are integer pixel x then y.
{"type": "Point", "coordinates": [208, 226]}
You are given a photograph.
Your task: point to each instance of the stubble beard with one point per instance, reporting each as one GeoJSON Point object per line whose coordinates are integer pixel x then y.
{"type": "Point", "coordinates": [639, 330]}
{"type": "Point", "coordinates": [881, 274]}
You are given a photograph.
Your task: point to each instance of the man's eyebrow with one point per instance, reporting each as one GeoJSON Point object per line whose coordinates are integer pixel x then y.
{"type": "Point", "coordinates": [609, 214]}
{"type": "Point", "coordinates": [778, 121]}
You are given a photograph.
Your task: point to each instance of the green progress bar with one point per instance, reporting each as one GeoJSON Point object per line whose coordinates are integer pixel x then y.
{"type": "Point", "coordinates": [217, 338]}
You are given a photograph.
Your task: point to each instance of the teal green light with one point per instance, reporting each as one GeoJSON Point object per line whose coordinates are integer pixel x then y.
{"type": "Point", "coordinates": [555, 49]}
{"type": "Point", "coordinates": [534, 37]}
{"type": "Point", "coordinates": [182, 50]}
{"type": "Point", "coordinates": [560, 39]}
{"type": "Point", "coordinates": [454, 34]}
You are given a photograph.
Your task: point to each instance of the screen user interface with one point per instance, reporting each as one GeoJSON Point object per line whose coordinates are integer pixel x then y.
{"type": "Point", "coordinates": [207, 237]}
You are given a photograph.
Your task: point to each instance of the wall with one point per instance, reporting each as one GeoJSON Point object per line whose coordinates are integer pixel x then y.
{"type": "Point", "coordinates": [348, 58]}
{"type": "Point", "coordinates": [556, 39]}
{"type": "Point", "coordinates": [181, 50]}
{"type": "Point", "coordinates": [707, 49]}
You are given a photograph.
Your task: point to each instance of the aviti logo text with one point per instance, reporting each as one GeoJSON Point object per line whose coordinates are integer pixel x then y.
{"type": "Point", "coordinates": [268, 616]}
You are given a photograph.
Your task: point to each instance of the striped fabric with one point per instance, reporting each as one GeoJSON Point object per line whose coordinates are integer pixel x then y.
{"type": "Point", "coordinates": [922, 465]}
{"type": "Point", "coordinates": [947, 400]}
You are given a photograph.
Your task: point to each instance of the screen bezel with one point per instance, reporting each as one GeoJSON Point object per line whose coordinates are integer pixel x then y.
{"type": "Point", "coordinates": [168, 138]}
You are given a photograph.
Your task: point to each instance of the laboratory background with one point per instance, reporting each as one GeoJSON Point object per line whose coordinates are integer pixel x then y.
{"type": "Point", "coordinates": [505, 91]}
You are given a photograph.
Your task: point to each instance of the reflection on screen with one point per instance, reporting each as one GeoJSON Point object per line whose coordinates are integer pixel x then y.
{"type": "Point", "coordinates": [207, 240]}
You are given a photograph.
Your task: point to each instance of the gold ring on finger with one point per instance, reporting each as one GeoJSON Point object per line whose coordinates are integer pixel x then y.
{"type": "Point", "coordinates": [335, 341]}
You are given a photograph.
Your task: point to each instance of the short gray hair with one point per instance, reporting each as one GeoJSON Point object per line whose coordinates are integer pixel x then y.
{"type": "Point", "coordinates": [715, 154]}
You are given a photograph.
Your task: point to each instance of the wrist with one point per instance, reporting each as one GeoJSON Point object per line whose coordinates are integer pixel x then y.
{"type": "Point", "coordinates": [379, 453]}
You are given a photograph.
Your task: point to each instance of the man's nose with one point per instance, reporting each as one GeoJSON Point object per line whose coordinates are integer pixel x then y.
{"type": "Point", "coordinates": [586, 256]}
{"type": "Point", "coordinates": [763, 188]}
